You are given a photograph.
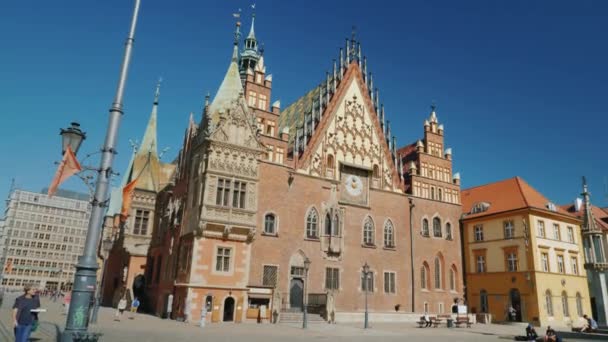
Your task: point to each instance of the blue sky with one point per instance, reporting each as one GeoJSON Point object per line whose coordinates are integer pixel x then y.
{"type": "Point", "coordinates": [520, 86]}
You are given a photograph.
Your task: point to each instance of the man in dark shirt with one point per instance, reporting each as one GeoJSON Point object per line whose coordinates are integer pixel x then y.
{"type": "Point", "coordinates": [23, 318]}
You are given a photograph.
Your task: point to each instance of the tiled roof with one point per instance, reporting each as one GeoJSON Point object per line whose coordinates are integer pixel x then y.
{"type": "Point", "coordinates": [509, 194]}
{"type": "Point", "coordinates": [293, 115]}
{"type": "Point", "coordinates": [601, 216]}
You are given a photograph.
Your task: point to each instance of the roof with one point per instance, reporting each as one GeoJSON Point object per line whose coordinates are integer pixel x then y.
{"type": "Point", "coordinates": [229, 91]}
{"type": "Point", "coordinates": [601, 216]}
{"type": "Point", "coordinates": [293, 115]}
{"type": "Point", "coordinates": [509, 194]}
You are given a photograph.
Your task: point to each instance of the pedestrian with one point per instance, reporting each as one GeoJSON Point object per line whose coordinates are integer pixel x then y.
{"type": "Point", "coordinates": [590, 326]}
{"type": "Point", "coordinates": [134, 306]}
{"type": "Point", "coordinates": [531, 334]}
{"type": "Point", "coordinates": [23, 318]}
{"type": "Point", "coordinates": [120, 309]}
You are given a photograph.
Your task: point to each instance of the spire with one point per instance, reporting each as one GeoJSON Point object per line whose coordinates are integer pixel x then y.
{"type": "Point", "coordinates": [148, 143]}
{"type": "Point", "coordinates": [341, 62]}
{"type": "Point", "coordinates": [251, 30]}
{"type": "Point", "coordinates": [588, 220]}
{"type": "Point", "coordinates": [231, 86]}
{"type": "Point", "coordinates": [433, 117]}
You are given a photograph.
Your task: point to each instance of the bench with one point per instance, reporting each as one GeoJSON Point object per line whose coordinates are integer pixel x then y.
{"type": "Point", "coordinates": [436, 322]}
{"type": "Point", "coordinates": [462, 320]}
{"type": "Point", "coordinates": [422, 322]}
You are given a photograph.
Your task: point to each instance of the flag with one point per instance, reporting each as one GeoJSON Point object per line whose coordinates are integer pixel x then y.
{"type": "Point", "coordinates": [68, 167]}
{"type": "Point", "coordinates": [127, 198]}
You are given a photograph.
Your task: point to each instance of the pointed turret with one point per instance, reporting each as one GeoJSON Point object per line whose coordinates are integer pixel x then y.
{"type": "Point", "coordinates": [251, 54]}
{"type": "Point", "coordinates": [231, 86]}
{"type": "Point", "coordinates": [588, 219]}
{"type": "Point", "coordinates": [148, 143]}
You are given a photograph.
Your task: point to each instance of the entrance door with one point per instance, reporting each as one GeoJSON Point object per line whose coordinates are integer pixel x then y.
{"type": "Point", "coordinates": [296, 294]}
{"type": "Point", "coordinates": [515, 299]}
{"type": "Point", "coordinates": [229, 309]}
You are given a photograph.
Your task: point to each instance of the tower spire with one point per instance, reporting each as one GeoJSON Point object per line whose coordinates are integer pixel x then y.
{"type": "Point", "coordinates": [588, 219]}
{"type": "Point", "coordinates": [237, 35]}
{"type": "Point", "coordinates": [252, 30]}
{"type": "Point", "coordinates": [148, 142]}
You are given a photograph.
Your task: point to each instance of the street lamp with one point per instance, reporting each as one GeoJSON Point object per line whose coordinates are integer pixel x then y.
{"type": "Point", "coordinates": [366, 282]}
{"type": "Point", "coordinates": [305, 302]}
{"type": "Point", "coordinates": [85, 278]}
{"type": "Point", "coordinates": [72, 137]}
{"type": "Point", "coordinates": [106, 247]}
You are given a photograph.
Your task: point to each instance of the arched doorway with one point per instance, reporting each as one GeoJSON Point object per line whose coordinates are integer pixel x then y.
{"type": "Point", "coordinates": [229, 309]}
{"type": "Point", "coordinates": [296, 294]}
{"type": "Point", "coordinates": [515, 301]}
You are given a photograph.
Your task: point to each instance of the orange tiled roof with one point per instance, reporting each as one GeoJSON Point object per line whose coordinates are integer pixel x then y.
{"type": "Point", "coordinates": [509, 194]}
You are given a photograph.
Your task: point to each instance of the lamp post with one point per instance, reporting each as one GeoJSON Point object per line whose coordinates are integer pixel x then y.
{"type": "Point", "coordinates": [305, 301]}
{"type": "Point", "coordinates": [85, 279]}
{"type": "Point", "coordinates": [106, 246]}
{"type": "Point", "coordinates": [72, 137]}
{"type": "Point", "coordinates": [366, 285]}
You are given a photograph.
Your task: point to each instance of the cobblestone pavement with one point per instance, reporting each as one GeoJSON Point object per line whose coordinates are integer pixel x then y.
{"type": "Point", "coordinates": [149, 328]}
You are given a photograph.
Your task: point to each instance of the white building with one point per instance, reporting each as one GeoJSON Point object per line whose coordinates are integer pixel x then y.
{"type": "Point", "coordinates": [43, 238]}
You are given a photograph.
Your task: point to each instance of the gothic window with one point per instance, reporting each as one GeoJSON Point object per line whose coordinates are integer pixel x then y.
{"type": "Point", "coordinates": [432, 192]}
{"type": "Point", "coordinates": [549, 303]}
{"type": "Point", "coordinates": [448, 231]}
{"type": "Point", "coordinates": [439, 194]}
{"type": "Point", "coordinates": [453, 279]}
{"type": "Point", "coordinates": [424, 274]}
{"type": "Point", "coordinates": [389, 234]}
{"type": "Point", "coordinates": [270, 224]}
{"type": "Point", "coordinates": [368, 232]}
{"type": "Point", "coordinates": [335, 229]}
{"type": "Point", "coordinates": [328, 224]}
{"type": "Point", "coordinates": [312, 221]}
{"type": "Point", "coordinates": [330, 166]}
{"type": "Point", "coordinates": [437, 273]}
{"type": "Point", "coordinates": [425, 227]}
{"type": "Point", "coordinates": [436, 227]}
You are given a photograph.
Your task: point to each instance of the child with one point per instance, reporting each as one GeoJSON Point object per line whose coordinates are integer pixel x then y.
{"type": "Point", "coordinates": [120, 309]}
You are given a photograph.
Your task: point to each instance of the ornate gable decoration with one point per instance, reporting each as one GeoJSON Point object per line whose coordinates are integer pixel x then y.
{"type": "Point", "coordinates": [235, 127]}
{"type": "Point", "coordinates": [351, 135]}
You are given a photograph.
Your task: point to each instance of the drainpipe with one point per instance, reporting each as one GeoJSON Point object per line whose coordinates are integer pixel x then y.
{"type": "Point", "coordinates": [412, 253]}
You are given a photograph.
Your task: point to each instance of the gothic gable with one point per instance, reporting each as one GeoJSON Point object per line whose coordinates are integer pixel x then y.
{"type": "Point", "coordinates": [235, 127]}
{"type": "Point", "coordinates": [350, 133]}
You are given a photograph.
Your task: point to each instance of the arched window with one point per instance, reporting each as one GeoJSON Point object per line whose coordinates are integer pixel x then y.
{"type": "Point", "coordinates": [483, 299]}
{"type": "Point", "coordinates": [335, 229]}
{"type": "Point", "coordinates": [389, 234]}
{"type": "Point", "coordinates": [312, 220]}
{"type": "Point", "coordinates": [549, 303]}
{"type": "Point", "coordinates": [439, 194]}
{"type": "Point", "coordinates": [330, 166]}
{"type": "Point", "coordinates": [448, 231]}
{"type": "Point", "coordinates": [432, 193]}
{"type": "Point", "coordinates": [270, 224]}
{"type": "Point", "coordinates": [368, 232]}
{"type": "Point", "coordinates": [425, 227]}
{"type": "Point", "coordinates": [436, 227]}
{"type": "Point", "coordinates": [327, 224]}
{"type": "Point", "coordinates": [453, 279]}
{"type": "Point", "coordinates": [565, 308]}
{"type": "Point", "coordinates": [437, 273]}
{"type": "Point", "coordinates": [579, 305]}
{"type": "Point", "coordinates": [376, 171]}
{"type": "Point", "coordinates": [424, 276]}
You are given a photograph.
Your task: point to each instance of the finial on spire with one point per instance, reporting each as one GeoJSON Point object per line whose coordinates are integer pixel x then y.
{"type": "Point", "coordinates": [252, 30]}
{"type": "Point", "coordinates": [353, 33]}
{"type": "Point", "coordinates": [157, 91]}
{"type": "Point", "coordinates": [207, 97]}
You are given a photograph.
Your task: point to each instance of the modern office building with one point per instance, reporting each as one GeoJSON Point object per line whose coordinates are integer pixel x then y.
{"type": "Point", "coordinates": [43, 238]}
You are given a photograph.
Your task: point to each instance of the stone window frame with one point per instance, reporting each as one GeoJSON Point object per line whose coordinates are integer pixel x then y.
{"type": "Point", "coordinates": [231, 261]}
{"type": "Point", "coordinates": [449, 232]}
{"type": "Point", "coordinates": [393, 238]}
{"type": "Point", "coordinates": [276, 224]}
{"type": "Point", "coordinates": [369, 226]}
{"type": "Point", "coordinates": [424, 230]}
{"type": "Point", "coordinates": [425, 276]}
{"type": "Point", "coordinates": [319, 226]}
{"type": "Point", "coordinates": [437, 228]}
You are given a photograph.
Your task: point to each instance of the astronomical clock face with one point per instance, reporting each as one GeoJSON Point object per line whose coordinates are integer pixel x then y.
{"type": "Point", "coordinates": [355, 185]}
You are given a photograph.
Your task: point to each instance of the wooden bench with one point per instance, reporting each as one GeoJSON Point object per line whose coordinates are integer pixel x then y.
{"type": "Point", "coordinates": [436, 321]}
{"type": "Point", "coordinates": [462, 320]}
{"type": "Point", "coordinates": [422, 322]}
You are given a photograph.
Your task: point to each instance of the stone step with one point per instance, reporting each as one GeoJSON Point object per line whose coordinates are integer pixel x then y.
{"type": "Point", "coordinates": [290, 317]}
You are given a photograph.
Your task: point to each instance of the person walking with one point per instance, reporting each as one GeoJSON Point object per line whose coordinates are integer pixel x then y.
{"type": "Point", "coordinates": [120, 308]}
{"type": "Point", "coordinates": [23, 318]}
{"type": "Point", "coordinates": [134, 306]}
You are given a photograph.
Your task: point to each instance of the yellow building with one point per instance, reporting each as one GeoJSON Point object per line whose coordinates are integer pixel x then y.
{"type": "Point", "coordinates": [523, 256]}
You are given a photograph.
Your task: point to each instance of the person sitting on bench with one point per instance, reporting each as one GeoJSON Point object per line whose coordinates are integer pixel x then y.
{"type": "Point", "coordinates": [427, 319]}
{"type": "Point", "coordinates": [531, 333]}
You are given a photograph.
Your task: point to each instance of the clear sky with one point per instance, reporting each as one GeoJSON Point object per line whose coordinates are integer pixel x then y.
{"type": "Point", "coordinates": [521, 86]}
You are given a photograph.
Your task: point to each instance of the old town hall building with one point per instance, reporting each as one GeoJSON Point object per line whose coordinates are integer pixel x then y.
{"type": "Point", "coordinates": [271, 209]}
